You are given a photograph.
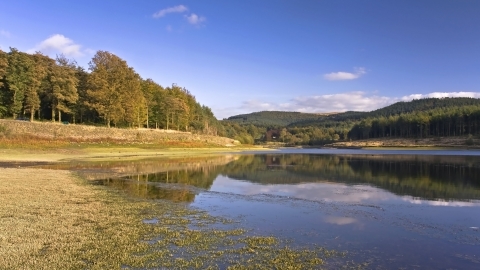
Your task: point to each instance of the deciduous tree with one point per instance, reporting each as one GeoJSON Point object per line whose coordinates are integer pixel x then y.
{"type": "Point", "coordinates": [108, 86]}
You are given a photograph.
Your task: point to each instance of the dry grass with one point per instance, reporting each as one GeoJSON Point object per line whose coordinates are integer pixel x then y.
{"type": "Point", "coordinates": [28, 141]}
{"type": "Point", "coordinates": [52, 220]}
{"type": "Point", "coordinates": [57, 152]}
{"type": "Point", "coordinates": [457, 142]}
{"type": "Point", "coordinates": [29, 132]}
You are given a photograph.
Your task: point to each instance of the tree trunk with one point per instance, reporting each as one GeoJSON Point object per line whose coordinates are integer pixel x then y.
{"type": "Point", "coordinates": [138, 118]}
{"type": "Point", "coordinates": [147, 117]}
{"type": "Point", "coordinates": [32, 113]}
{"type": "Point", "coordinates": [53, 114]}
{"type": "Point", "coordinates": [167, 121]}
{"type": "Point", "coordinates": [59, 116]}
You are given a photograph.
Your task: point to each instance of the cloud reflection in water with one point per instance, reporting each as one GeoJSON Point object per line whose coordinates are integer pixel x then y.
{"type": "Point", "coordinates": [326, 192]}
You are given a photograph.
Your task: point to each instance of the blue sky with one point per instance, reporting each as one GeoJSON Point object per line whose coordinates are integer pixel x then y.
{"type": "Point", "coordinates": [250, 55]}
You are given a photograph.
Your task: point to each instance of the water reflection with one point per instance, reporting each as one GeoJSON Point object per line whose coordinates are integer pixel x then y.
{"type": "Point", "coordinates": [340, 220]}
{"type": "Point", "coordinates": [443, 180]}
{"type": "Point", "coordinates": [427, 177]}
{"type": "Point", "coordinates": [145, 190]}
{"type": "Point", "coordinates": [318, 191]}
{"type": "Point", "coordinates": [393, 211]}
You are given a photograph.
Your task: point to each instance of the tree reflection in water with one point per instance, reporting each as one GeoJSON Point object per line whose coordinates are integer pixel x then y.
{"type": "Point", "coordinates": [426, 177]}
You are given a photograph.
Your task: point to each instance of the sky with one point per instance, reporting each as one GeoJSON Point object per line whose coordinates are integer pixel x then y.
{"type": "Point", "coordinates": [292, 55]}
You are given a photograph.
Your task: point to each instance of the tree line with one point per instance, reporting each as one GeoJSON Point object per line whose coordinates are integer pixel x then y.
{"type": "Point", "coordinates": [429, 117]}
{"type": "Point", "coordinates": [289, 135]}
{"type": "Point", "coordinates": [438, 122]}
{"type": "Point", "coordinates": [110, 92]}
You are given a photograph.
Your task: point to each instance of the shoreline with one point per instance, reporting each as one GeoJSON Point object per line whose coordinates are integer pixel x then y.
{"type": "Point", "coordinates": [65, 154]}
{"type": "Point", "coordinates": [57, 219]}
{"type": "Point", "coordinates": [459, 142]}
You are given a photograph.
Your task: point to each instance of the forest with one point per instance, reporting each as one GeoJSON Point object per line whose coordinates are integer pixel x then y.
{"type": "Point", "coordinates": [429, 117]}
{"type": "Point", "coordinates": [35, 87]}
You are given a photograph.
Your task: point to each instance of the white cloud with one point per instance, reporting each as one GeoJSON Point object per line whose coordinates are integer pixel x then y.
{"type": "Point", "coordinates": [195, 19]}
{"type": "Point", "coordinates": [441, 95]}
{"type": "Point", "coordinates": [4, 33]}
{"type": "Point", "coordinates": [264, 106]}
{"type": "Point", "coordinates": [341, 102]}
{"type": "Point", "coordinates": [59, 44]}
{"type": "Point", "coordinates": [341, 75]}
{"type": "Point", "coordinates": [350, 101]}
{"type": "Point", "coordinates": [175, 9]}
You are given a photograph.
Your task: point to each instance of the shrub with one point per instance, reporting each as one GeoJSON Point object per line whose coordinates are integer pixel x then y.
{"type": "Point", "coordinates": [4, 132]}
{"type": "Point", "coordinates": [469, 140]}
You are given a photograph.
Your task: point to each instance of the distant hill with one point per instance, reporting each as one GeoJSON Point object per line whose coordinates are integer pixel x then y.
{"type": "Point", "coordinates": [280, 118]}
{"type": "Point", "coordinates": [276, 118]}
{"type": "Point", "coordinates": [417, 105]}
{"type": "Point", "coordinates": [424, 118]}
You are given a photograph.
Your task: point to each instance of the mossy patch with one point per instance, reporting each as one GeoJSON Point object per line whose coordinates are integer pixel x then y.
{"type": "Point", "coordinates": [55, 220]}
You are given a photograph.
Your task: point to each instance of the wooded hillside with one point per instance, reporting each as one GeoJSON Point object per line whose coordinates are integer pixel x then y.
{"type": "Point", "coordinates": [110, 92]}
{"type": "Point", "coordinates": [275, 118]}
{"type": "Point", "coordinates": [431, 117]}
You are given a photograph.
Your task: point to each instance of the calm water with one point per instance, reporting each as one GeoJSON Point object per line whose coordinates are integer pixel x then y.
{"type": "Point", "coordinates": [394, 209]}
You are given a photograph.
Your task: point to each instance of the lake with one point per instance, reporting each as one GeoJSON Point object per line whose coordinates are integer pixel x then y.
{"type": "Point", "coordinates": [390, 209]}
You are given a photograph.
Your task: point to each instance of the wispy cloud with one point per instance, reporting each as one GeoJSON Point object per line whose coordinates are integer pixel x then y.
{"type": "Point", "coordinates": [342, 76]}
{"type": "Point", "coordinates": [441, 95]}
{"type": "Point", "coordinates": [194, 19]}
{"type": "Point", "coordinates": [175, 9]}
{"type": "Point", "coordinates": [60, 44]}
{"type": "Point", "coordinates": [341, 102]}
{"type": "Point", "coordinates": [350, 101]}
{"type": "Point", "coordinates": [4, 33]}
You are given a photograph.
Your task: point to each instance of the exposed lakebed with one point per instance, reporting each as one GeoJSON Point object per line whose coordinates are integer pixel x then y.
{"type": "Point", "coordinates": [389, 208]}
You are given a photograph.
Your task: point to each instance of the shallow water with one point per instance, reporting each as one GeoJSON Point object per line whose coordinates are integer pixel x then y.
{"type": "Point", "coordinates": [395, 209]}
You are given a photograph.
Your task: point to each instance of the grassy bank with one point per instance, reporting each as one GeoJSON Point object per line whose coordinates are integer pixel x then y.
{"type": "Point", "coordinates": [50, 142]}
{"type": "Point", "coordinates": [55, 220]}
{"type": "Point", "coordinates": [452, 142]}
{"type": "Point", "coordinates": [107, 152]}
{"type": "Point", "coordinates": [21, 133]}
